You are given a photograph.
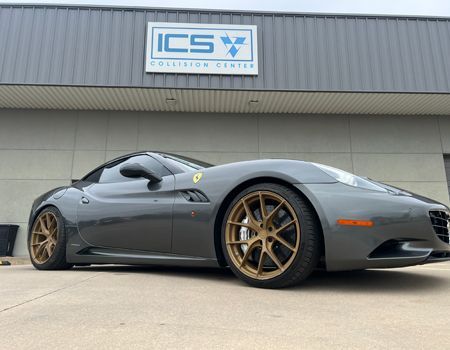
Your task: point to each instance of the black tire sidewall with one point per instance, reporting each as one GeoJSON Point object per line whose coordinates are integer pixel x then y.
{"type": "Point", "coordinates": [303, 263]}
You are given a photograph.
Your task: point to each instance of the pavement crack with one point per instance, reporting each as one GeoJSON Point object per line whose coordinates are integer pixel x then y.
{"type": "Point", "coordinates": [49, 293]}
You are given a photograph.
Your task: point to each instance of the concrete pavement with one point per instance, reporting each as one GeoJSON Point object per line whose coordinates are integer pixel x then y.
{"type": "Point", "coordinates": [13, 260]}
{"type": "Point", "coordinates": [110, 307]}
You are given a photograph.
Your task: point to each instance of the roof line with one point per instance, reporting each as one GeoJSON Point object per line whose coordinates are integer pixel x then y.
{"type": "Point", "coordinates": [257, 12]}
{"type": "Point", "coordinates": [89, 86]}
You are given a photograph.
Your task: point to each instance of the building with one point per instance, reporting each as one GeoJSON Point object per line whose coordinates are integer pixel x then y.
{"type": "Point", "coordinates": [368, 94]}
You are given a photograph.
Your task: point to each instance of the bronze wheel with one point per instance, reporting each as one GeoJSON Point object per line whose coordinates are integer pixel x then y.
{"type": "Point", "coordinates": [271, 236]}
{"type": "Point", "coordinates": [44, 237]}
{"type": "Point", "coordinates": [262, 235]}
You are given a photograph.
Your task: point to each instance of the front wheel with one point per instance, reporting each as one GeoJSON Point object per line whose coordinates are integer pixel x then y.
{"type": "Point", "coordinates": [47, 241]}
{"type": "Point", "coordinates": [270, 236]}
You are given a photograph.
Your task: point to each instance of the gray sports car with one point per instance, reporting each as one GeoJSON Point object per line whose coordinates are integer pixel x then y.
{"type": "Point", "coordinates": [271, 221]}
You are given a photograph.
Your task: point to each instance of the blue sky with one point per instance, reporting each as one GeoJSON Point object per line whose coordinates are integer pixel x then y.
{"type": "Point", "coordinates": [397, 7]}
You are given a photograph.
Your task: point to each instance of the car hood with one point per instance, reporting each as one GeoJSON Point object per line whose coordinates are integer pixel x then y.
{"type": "Point", "coordinates": [397, 191]}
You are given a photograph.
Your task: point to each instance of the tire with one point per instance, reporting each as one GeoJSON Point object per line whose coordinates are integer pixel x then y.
{"type": "Point", "coordinates": [48, 227]}
{"type": "Point", "coordinates": [288, 231]}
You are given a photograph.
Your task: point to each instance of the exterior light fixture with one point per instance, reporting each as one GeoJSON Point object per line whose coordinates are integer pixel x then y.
{"type": "Point", "coordinates": [171, 101]}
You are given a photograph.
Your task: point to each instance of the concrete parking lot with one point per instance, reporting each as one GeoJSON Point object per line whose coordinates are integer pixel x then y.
{"type": "Point", "coordinates": [159, 308]}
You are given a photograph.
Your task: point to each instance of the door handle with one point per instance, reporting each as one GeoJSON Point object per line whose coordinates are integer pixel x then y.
{"type": "Point", "coordinates": [84, 200]}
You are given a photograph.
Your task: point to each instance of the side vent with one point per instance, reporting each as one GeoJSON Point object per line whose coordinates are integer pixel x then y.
{"type": "Point", "coordinates": [194, 196]}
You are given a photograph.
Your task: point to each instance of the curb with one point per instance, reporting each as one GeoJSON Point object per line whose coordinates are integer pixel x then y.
{"type": "Point", "coordinates": [12, 260]}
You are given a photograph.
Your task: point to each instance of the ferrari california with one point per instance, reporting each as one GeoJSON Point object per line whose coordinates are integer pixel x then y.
{"type": "Point", "coordinates": [272, 222]}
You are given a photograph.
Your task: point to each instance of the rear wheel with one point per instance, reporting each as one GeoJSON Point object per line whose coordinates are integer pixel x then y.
{"type": "Point", "coordinates": [47, 242]}
{"type": "Point", "coordinates": [270, 236]}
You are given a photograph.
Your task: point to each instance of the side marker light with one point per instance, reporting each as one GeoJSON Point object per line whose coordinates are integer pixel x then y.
{"type": "Point", "coordinates": [348, 222]}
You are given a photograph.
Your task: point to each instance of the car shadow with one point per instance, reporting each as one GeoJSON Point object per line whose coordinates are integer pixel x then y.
{"type": "Point", "coordinates": [401, 281]}
{"type": "Point", "coordinates": [172, 271]}
{"type": "Point", "coordinates": [389, 281]}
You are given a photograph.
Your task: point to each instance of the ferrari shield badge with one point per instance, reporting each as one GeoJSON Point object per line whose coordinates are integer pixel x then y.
{"type": "Point", "coordinates": [197, 177]}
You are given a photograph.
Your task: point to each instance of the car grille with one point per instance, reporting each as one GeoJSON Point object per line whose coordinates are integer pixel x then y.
{"type": "Point", "coordinates": [440, 221]}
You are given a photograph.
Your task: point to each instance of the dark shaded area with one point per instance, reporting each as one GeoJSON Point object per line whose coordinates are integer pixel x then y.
{"type": "Point", "coordinates": [373, 281]}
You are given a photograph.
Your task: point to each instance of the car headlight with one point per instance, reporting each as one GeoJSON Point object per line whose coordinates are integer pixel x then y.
{"type": "Point", "coordinates": [349, 179]}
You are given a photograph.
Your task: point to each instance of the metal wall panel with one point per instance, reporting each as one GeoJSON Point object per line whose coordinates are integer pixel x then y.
{"type": "Point", "coordinates": [105, 47]}
{"type": "Point", "coordinates": [447, 170]}
{"type": "Point", "coordinates": [221, 101]}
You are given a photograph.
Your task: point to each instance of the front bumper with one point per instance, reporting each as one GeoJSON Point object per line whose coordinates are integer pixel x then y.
{"type": "Point", "coordinates": [402, 234]}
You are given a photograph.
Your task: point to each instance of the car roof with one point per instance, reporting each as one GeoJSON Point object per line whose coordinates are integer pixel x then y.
{"type": "Point", "coordinates": [137, 153]}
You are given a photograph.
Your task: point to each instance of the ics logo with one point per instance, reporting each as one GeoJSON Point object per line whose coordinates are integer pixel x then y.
{"type": "Point", "coordinates": [201, 48]}
{"type": "Point", "coordinates": [234, 43]}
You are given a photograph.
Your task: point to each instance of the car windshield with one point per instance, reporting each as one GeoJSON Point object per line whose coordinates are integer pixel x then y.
{"type": "Point", "coordinates": [185, 163]}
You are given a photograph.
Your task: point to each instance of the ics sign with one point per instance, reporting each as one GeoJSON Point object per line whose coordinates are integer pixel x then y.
{"type": "Point", "coordinates": [201, 48]}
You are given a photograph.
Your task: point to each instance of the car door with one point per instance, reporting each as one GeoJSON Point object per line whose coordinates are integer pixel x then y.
{"type": "Point", "coordinates": [128, 213]}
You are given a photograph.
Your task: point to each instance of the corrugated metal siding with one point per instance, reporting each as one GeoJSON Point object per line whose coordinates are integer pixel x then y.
{"type": "Point", "coordinates": [447, 170]}
{"type": "Point", "coordinates": [224, 101]}
{"type": "Point", "coordinates": [105, 47]}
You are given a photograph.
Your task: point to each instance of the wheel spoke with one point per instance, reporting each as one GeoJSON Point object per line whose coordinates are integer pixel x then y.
{"type": "Point", "coordinates": [262, 204]}
{"type": "Point", "coordinates": [53, 231]}
{"type": "Point", "coordinates": [52, 226]}
{"type": "Point", "coordinates": [40, 250]}
{"type": "Point", "coordinates": [245, 241]}
{"type": "Point", "coordinates": [281, 239]}
{"type": "Point", "coordinates": [274, 258]}
{"type": "Point", "coordinates": [274, 211]}
{"type": "Point", "coordinates": [49, 250]}
{"type": "Point", "coordinates": [48, 221]}
{"type": "Point", "coordinates": [40, 233]}
{"type": "Point", "coordinates": [249, 225]}
{"type": "Point", "coordinates": [284, 227]}
{"type": "Point", "coordinates": [285, 243]}
{"type": "Point", "coordinates": [247, 253]}
{"type": "Point", "coordinates": [261, 263]}
{"type": "Point", "coordinates": [249, 213]}
{"type": "Point", "coordinates": [43, 227]}
{"type": "Point", "coordinates": [53, 247]}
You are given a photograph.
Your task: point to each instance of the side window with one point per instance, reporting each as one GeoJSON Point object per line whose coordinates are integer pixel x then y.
{"type": "Point", "coordinates": [111, 173]}
{"type": "Point", "coordinates": [95, 176]}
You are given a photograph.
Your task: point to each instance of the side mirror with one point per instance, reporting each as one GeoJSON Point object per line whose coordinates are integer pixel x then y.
{"type": "Point", "coordinates": [137, 170]}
